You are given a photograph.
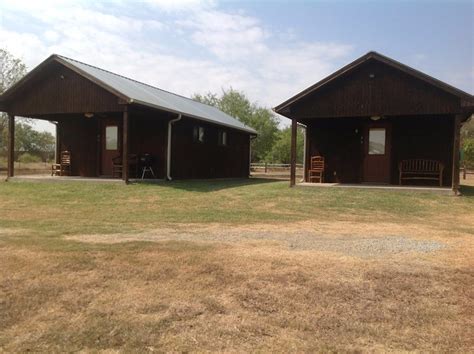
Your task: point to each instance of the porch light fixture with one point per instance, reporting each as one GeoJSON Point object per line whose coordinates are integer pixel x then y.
{"type": "Point", "coordinates": [88, 115]}
{"type": "Point", "coordinates": [375, 118]}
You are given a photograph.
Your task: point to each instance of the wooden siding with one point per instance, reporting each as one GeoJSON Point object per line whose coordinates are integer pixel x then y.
{"type": "Point", "coordinates": [388, 92]}
{"type": "Point", "coordinates": [148, 133]}
{"type": "Point", "coordinates": [79, 136]}
{"type": "Point", "coordinates": [208, 160]}
{"type": "Point", "coordinates": [340, 141]}
{"type": "Point", "coordinates": [59, 90]}
{"type": "Point", "coordinates": [423, 137]}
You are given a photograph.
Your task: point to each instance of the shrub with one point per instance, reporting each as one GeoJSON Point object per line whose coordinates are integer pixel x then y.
{"type": "Point", "coordinates": [468, 152]}
{"type": "Point", "coordinates": [28, 158]}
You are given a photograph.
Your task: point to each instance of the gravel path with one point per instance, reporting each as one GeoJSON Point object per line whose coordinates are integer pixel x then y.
{"type": "Point", "coordinates": [299, 240]}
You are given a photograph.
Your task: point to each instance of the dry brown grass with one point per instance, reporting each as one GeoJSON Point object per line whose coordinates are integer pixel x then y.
{"type": "Point", "coordinates": [93, 291]}
{"type": "Point", "coordinates": [239, 297]}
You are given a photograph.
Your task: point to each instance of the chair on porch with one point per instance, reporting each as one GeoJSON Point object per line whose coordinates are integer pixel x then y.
{"type": "Point", "coordinates": [64, 165]}
{"type": "Point", "coordinates": [117, 165]}
{"type": "Point", "coordinates": [316, 169]}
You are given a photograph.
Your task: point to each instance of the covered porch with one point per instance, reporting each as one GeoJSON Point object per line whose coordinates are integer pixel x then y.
{"type": "Point", "coordinates": [379, 122]}
{"type": "Point", "coordinates": [110, 126]}
{"type": "Point", "coordinates": [372, 149]}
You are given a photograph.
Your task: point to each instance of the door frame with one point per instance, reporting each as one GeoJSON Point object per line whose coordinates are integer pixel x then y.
{"type": "Point", "coordinates": [381, 124]}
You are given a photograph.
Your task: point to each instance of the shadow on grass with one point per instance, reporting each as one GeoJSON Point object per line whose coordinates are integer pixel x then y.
{"type": "Point", "coordinates": [210, 185]}
{"type": "Point", "coordinates": [467, 191]}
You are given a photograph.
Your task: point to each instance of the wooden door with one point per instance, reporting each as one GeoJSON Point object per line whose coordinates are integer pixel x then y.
{"type": "Point", "coordinates": [111, 144]}
{"type": "Point", "coordinates": [377, 148]}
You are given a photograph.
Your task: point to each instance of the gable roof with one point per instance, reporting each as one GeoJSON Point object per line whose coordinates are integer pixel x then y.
{"type": "Point", "coordinates": [381, 58]}
{"type": "Point", "coordinates": [136, 92]}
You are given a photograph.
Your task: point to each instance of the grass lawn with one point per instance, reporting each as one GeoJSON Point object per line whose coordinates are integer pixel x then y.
{"type": "Point", "coordinates": [234, 266]}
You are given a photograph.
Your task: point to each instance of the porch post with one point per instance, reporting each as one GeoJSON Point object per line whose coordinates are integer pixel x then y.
{"type": "Point", "coordinates": [305, 153]}
{"type": "Point", "coordinates": [294, 127]}
{"type": "Point", "coordinates": [11, 145]}
{"type": "Point", "coordinates": [125, 145]}
{"type": "Point", "coordinates": [58, 143]}
{"type": "Point", "coordinates": [456, 152]}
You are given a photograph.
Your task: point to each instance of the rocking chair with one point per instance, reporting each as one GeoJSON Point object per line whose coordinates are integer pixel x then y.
{"type": "Point", "coordinates": [64, 165]}
{"type": "Point", "coordinates": [316, 171]}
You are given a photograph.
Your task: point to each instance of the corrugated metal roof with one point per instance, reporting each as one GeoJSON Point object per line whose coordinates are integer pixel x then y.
{"type": "Point", "coordinates": [140, 93]}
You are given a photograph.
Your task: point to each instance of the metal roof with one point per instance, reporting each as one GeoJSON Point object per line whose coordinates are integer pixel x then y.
{"type": "Point", "coordinates": [147, 95]}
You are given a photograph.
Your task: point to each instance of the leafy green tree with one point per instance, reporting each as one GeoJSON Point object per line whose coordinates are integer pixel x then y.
{"type": "Point", "coordinates": [236, 104]}
{"type": "Point", "coordinates": [467, 143]}
{"type": "Point", "coordinates": [29, 140]}
{"type": "Point", "coordinates": [281, 150]}
{"type": "Point", "coordinates": [11, 70]}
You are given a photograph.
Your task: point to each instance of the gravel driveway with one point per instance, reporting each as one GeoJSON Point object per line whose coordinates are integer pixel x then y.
{"type": "Point", "coordinates": [370, 246]}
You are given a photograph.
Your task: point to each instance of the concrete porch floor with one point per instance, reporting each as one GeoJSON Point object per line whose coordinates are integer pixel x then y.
{"type": "Point", "coordinates": [49, 178]}
{"type": "Point", "coordinates": [443, 190]}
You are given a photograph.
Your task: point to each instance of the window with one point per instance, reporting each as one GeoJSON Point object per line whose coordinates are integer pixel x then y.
{"type": "Point", "coordinates": [198, 134]}
{"type": "Point", "coordinates": [222, 138]}
{"type": "Point", "coordinates": [377, 141]}
{"type": "Point", "coordinates": [111, 137]}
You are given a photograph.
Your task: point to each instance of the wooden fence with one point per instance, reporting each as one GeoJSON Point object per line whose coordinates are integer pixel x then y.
{"type": "Point", "coordinates": [272, 166]}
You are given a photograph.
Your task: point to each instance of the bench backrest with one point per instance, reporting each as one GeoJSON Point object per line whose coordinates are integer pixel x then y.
{"type": "Point", "coordinates": [420, 165]}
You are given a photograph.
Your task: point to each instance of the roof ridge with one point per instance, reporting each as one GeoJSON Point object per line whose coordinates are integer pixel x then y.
{"type": "Point", "coordinates": [139, 82]}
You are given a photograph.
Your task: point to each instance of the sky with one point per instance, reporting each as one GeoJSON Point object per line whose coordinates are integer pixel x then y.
{"type": "Point", "coordinates": [270, 50]}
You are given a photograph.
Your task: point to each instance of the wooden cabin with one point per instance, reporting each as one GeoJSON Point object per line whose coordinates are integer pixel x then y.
{"type": "Point", "coordinates": [105, 121]}
{"type": "Point", "coordinates": [376, 118]}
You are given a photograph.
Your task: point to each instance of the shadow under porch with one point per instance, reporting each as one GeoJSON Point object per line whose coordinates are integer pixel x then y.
{"type": "Point", "coordinates": [344, 143]}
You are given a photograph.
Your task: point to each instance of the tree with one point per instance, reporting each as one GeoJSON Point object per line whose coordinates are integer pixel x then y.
{"type": "Point", "coordinates": [467, 143]}
{"type": "Point", "coordinates": [281, 150]}
{"type": "Point", "coordinates": [11, 70]}
{"type": "Point", "coordinates": [236, 104]}
{"type": "Point", "coordinates": [29, 140]}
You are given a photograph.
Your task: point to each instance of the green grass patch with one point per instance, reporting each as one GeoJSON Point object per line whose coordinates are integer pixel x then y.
{"type": "Point", "coordinates": [69, 208]}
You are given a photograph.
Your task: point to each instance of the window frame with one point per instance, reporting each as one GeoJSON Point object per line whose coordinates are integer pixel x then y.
{"type": "Point", "coordinates": [384, 130]}
{"type": "Point", "coordinates": [197, 129]}
{"type": "Point", "coordinates": [107, 140]}
{"type": "Point", "coordinates": [222, 137]}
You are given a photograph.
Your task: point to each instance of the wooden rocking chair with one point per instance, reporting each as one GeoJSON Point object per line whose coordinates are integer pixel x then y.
{"type": "Point", "coordinates": [64, 165]}
{"type": "Point", "coordinates": [316, 169]}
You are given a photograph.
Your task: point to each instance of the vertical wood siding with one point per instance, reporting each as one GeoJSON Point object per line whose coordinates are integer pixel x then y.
{"type": "Point", "coordinates": [208, 160]}
{"type": "Point", "coordinates": [59, 90]}
{"type": "Point", "coordinates": [388, 92]}
{"type": "Point", "coordinates": [412, 137]}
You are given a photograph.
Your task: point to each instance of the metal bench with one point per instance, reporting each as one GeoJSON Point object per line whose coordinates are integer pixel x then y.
{"type": "Point", "coordinates": [421, 169]}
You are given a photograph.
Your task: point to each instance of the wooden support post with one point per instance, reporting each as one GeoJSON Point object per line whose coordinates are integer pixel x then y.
{"type": "Point", "coordinates": [305, 155]}
{"type": "Point", "coordinates": [294, 127]}
{"type": "Point", "coordinates": [456, 153]}
{"type": "Point", "coordinates": [58, 143]}
{"type": "Point", "coordinates": [11, 145]}
{"type": "Point", "coordinates": [125, 168]}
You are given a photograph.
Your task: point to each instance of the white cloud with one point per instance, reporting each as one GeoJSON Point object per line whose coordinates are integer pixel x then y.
{"type": "Point", "coordinates": [216, 50]}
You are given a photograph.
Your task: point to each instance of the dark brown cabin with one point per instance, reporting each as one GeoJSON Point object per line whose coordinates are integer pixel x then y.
{"type": "Point", "coordinates": [369, 116]}
{"type": "Point", "coordinates": [102, 118]}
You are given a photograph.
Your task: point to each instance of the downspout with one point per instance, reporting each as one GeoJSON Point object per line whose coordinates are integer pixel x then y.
{"type": "Point", "coordinates": [168, 157]}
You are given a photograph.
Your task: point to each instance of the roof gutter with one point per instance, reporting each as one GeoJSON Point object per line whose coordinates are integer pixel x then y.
{"type": "Point", "coordinates": [168, 151]}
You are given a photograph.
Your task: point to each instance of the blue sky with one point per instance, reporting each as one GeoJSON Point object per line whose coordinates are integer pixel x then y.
{"type": "Point", "coordinates": [268, 49]}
